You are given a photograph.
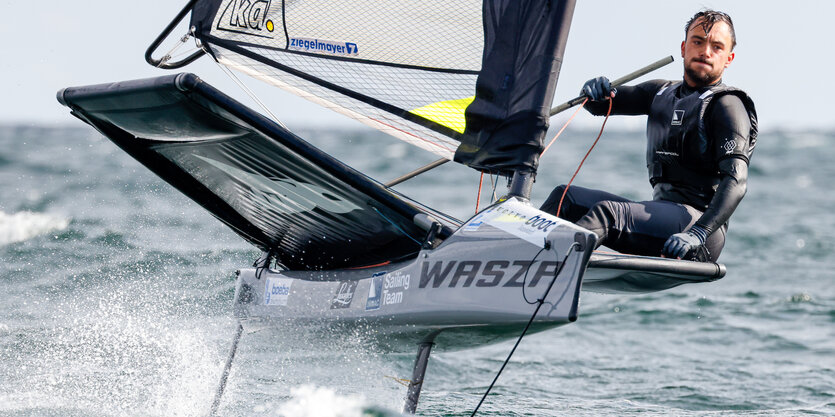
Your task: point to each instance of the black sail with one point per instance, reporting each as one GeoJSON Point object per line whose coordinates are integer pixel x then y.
{"type": "Point", "coordinates": [524, 46]}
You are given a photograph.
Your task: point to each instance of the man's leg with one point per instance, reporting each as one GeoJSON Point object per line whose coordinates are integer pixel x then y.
{"type": "Point", "coordinates": [639, 228]}
{"type": "Point", "coordinates": [578, 201]}
{"type": "Point", "coordinates": [642, 228]}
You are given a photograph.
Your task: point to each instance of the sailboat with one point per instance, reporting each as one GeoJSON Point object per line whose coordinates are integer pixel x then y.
{"type": "Point", "coordinates": [470, 81]}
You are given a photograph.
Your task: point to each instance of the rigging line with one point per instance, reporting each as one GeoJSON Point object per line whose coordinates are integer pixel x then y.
{"type": "Point", "coordinates": [478, 198]}
{"type": "Point", "coordinates": [608, 113]}
{"type": "Point", "coordinates": [494, 184]}
{"type": "Point", "coordinates": [182, 54]}
{"type": "Point", "coordinates": [250, 93]}
{"type": "Point", "coordinates": [525, 278]}
{"type": "Point", "coordinates": [540, 302]}
{"type": "Point", "coordinates": [169, 55]}
{"type": "Point", "coordinates": [395, 225]}
{"type": "Point", "coordinates": [564, 126]}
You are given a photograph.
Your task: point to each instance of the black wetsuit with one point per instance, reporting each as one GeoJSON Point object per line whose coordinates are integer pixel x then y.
{"type": "Point", "coordinates": [699, 145]}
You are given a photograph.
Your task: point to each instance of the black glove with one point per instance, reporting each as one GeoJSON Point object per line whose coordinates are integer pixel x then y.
{"type": "Point", "coordinates": [687, 245]}
{"type": "Point", "coordinates": [598, 89]}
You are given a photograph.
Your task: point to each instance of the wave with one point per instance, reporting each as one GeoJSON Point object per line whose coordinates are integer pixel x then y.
{"type": "Point", "coordinates": [25, 225]}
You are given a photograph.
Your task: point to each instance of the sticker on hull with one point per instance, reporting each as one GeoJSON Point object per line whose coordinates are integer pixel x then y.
{"type": "Point", "coordinates": [394, 285]}
{"type": "Point", "coordinates": [375, 292]}
{"type": "Point", "coordinates": [518, 219]}
{"type": "Point", "coordinates": [344, 294]}
{"type": "Point", "coordinates": [277, 291]}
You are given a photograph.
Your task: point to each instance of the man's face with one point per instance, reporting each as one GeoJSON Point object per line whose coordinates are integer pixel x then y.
{"type": "Point", "coordinates": [706, 55]}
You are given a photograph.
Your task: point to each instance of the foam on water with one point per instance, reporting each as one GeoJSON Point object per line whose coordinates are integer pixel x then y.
{"type": "Point", "coordinates": [313, 401]}
{"type": "Point", "coordinates": [25, 225]}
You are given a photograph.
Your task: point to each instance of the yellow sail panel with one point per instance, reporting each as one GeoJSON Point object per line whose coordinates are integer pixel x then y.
{"type": "Point", "coordinates": [449, 113]}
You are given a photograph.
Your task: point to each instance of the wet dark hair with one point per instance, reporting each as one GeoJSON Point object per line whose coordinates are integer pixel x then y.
{"type": "Point", "coordinates": [709, 18]}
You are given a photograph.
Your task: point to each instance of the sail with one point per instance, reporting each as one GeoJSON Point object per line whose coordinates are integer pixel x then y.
{"type": "Point", "coordinates": [506, 124]}
{"type": "Point", "coordinates": [410, 69]}
{"type": "Point", "coordinates": [268, 185]}
{"type": "Point", "coordinates": [406, 69]}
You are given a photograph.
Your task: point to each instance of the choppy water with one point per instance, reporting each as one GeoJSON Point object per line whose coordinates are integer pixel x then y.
{"type": "Point", "coordinates": [115, 299]}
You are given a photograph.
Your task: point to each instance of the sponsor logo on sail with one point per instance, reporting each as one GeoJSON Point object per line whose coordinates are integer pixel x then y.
{"type": "Point", "coordinates": [344, 294]}
{"type": "Point", "coordinates": [247, 16]}
{"type": "Point", "coordinates": [323, 46]}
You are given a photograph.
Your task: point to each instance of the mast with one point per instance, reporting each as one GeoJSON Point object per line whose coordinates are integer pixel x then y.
{"type": "Point", "coordinates": [521, 184]}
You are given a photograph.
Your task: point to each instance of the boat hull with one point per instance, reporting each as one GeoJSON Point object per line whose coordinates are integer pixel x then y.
{"type": "Point", "coordinates": [480, 285]}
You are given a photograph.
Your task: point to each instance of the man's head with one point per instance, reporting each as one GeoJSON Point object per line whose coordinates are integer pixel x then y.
{"type": "Point", "coordinates": [707, 49]}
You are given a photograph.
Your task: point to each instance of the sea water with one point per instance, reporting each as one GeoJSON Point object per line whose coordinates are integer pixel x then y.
{"type": "Point", "coordinates": [116, 291]}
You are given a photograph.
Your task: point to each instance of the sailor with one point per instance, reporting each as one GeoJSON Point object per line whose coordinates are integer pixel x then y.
{"type": "Point", "coordinates": [701, 134]}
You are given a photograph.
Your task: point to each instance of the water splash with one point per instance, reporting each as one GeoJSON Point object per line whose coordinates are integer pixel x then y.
{"type": "Point", "coordinates": [103, 357]}
{"type": "Point", "coordinates": [25, 225]}
{"type": "Point", "coordinates": [314, 401]}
